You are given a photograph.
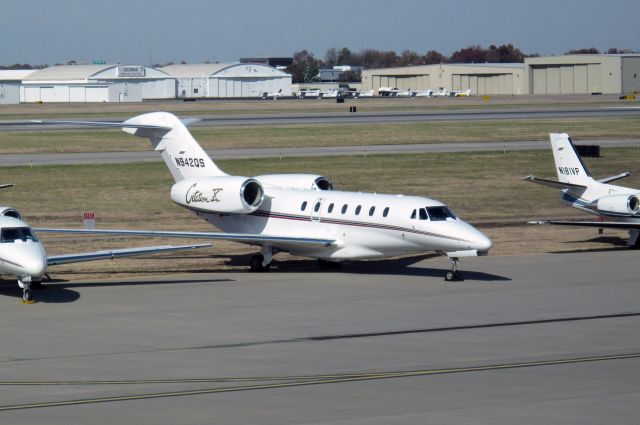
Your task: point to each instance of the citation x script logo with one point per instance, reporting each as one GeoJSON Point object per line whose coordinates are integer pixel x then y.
{"type": "Point", "coordinates": [566, 171]}
{"type": "Point", "coordinates": [194, 195]}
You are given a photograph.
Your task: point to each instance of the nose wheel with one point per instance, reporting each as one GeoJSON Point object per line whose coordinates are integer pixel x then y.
{"type": "Point", "coordinates": [25, 284]}
{"type": "Point", "coordinates": [454, 275]}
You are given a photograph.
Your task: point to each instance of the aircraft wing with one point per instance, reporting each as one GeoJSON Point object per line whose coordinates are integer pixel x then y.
{"type": "Point", "coordinates": [117, 253]}
{"type": "Point", "coordinates": [256, 239]}
{"type": "Point", "coordinates": [553, 183]}
{"type": "Point", "coordinates": [600, 224]}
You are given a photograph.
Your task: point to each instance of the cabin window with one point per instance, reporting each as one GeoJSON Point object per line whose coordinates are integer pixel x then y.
{"type": "Point", "coordinates": [371, 211]}
{"type": "Point", "coordinates": [440, 214]}
{"type": "Point", "coordinates": [317, 207]}
{"type": "Point", "coordinates": [423, 214]}
{"type": "Point", "coordinates": [304, 206]}
{"type": "Point", "coordinates": [11, 234]}
{"type": "Point", "coordinates": [413, 214]}
{"type": "Point", "coordinates": [385, 212]}
{"type": "Point", "coordinates": [330, 208]}
{"type": "Point", "coordinates": [358, 208]}
{"type": "Point", "coordinates": [344, 208]}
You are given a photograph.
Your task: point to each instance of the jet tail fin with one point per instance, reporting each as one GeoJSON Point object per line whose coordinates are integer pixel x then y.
{"type": "Point", "coordinates": [569, 165]}
{"type": "Point", "coordinates": [168, 135]}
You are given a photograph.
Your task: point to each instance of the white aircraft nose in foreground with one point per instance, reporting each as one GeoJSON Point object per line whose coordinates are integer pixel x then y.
{"type": "Point", "coordinates": [23, 256]}
{"type": "Point", "coordinates": [296, 213]}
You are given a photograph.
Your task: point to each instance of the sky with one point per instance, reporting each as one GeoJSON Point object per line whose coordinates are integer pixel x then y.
{"type": "Point", "coordinates": [144, 32]}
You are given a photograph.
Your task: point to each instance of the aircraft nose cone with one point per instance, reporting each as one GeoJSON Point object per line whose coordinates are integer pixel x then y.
{"type": "Point", "coordinates": [35, 264]}
{"type": "Point", "coordinates": [482, 243]}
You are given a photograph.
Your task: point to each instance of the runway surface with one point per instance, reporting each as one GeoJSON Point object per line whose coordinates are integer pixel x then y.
{"type": "Point", "coordinates": [525, 339]}
{"type": "Point", "coordinates": [146, 156]}
{"type": "Point", "coordinates": [374, 117]}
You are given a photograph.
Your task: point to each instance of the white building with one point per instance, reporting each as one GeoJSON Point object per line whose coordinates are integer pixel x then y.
{"type": "Point", "coordinates": [10, 83]}
{"type": "Point", "coordinates": [97, 83]}
{"type": "Point", "coordinates": [218, 80]}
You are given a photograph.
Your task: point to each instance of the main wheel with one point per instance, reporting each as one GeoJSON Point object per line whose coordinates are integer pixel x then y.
{"type": "Point", "coordinates": [449, 276]}
{"type": "Point", "coordinates": [255, 264]}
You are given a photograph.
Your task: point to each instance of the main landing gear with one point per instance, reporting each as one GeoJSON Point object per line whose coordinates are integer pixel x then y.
{"type": "Point", "coordinates": [454, 274]}
{"type": "Point", "coordinates": [261, 263]}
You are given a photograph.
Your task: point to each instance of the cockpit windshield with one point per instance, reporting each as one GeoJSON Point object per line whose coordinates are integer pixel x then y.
{"type": "Point", "coordinates": [12, 234]}
{"type": "Point", "coordinates": [440, 214]}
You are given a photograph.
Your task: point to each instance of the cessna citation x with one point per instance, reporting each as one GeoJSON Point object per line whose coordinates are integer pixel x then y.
{"type": "Point", "coordinates": [617, 207]}
{"type": "Point", "coordinates": [22, 254]}
{"type": "Point", "coordinates": [296, 213]}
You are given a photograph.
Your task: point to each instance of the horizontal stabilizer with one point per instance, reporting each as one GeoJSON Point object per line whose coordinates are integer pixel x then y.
{"type": "Point", "coordinates": [553, 183]}
{"type": "Point", "coordinates": [599, 224]}
{"type": "Point", "coordinates": [117, 253]}
{"type": "Point", "coordinates": [614, 178]}
{"type": "Point", "coordinates": [237, 237]}
{"type": "Point", "coordinates": [106, 124]}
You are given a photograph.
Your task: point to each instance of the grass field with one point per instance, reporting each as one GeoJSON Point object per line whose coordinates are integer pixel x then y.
{"type": "Point", "coordinates": [278, 136]}
{"type": "Point", "coordinates": [483, 188]}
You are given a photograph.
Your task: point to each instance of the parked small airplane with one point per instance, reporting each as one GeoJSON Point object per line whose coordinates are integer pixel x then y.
{"type": "Point", "coordinates": [296, 213]}
{"type": "Point", "coordinates": [272, 95]}
{"type": "Point", "coordinates": [461, 93]}
{"type": "Point", "coordinates": [617, 207]}
{"type": "Point", "coordinates": [22, 254]}
{"type": "Point", "coordinates": [388, 91]}
{"type": "Point", "coordinates": [406, 93]}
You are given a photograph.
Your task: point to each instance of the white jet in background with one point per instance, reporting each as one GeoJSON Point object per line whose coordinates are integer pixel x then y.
{"type": "Point", "coordinates": [617, 207]}
{"type": "Point", "coordinates": [23, 256]}
{"type": "Point", "coordinates": [296, 213]}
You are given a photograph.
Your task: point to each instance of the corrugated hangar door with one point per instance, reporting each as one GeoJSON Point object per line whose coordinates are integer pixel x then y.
{"type": "Point", "coordinates": [567, 79]}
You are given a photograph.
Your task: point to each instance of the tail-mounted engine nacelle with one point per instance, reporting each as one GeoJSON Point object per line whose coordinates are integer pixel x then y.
{"type": "Point", "coordinates": [225, 194]}
{"type": "Point", "coordinates": [296, 181]}
{"type": "Point", "coordinates": [10, 212]}
{"type": "Point", "coordinates": [619, 204]}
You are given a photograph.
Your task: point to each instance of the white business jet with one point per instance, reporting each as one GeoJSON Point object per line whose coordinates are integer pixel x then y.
{"type": "Point", "coordinates": [618, 207]}
{"type": "Point", "coordinates": [22, 254]}
{"type": "Point", "coordinates": [296, 213]}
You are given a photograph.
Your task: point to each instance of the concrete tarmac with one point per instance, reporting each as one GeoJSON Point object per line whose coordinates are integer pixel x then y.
{"type": "Point", "coordinates": [524, 339]}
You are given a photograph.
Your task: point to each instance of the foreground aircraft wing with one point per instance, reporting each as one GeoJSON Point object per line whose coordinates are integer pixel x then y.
{"type": "Point", "coordinates": [600, 224]}
{"type": "Point", "coordinates": [553, 183]}
{"type": "Point", "coordinates": [237, 237]}
{"type": "Point", "coordinates": [117, 253]}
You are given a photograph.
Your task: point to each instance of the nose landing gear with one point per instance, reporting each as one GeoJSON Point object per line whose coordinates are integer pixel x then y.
{"type": "Point", "coordinates": [25, 284]}
{"type": "Point", "coordinates": [454, 274]}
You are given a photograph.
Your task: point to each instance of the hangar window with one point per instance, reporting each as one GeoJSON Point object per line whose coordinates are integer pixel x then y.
{"type": "Point", "coordinates": [344, 208]}
{"type": "Point", "coordinates": [385, 212]}
{"type": "Point", "coordinates": [358, 208]}
{"type": "Point", "coordinates": [195, 90]}
{"type": "Point", "coordinates": [371, 211]}
{"type": "Point", "coordinates": [304, 206]}
{"type": "Point", "coordinates": [330, 210]}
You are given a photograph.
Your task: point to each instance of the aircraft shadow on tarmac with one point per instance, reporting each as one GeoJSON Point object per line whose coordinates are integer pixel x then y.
{"type": "Point", "coordinates": [396, 267]}
{"type": "Point", "coordinates": [613, 243]}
